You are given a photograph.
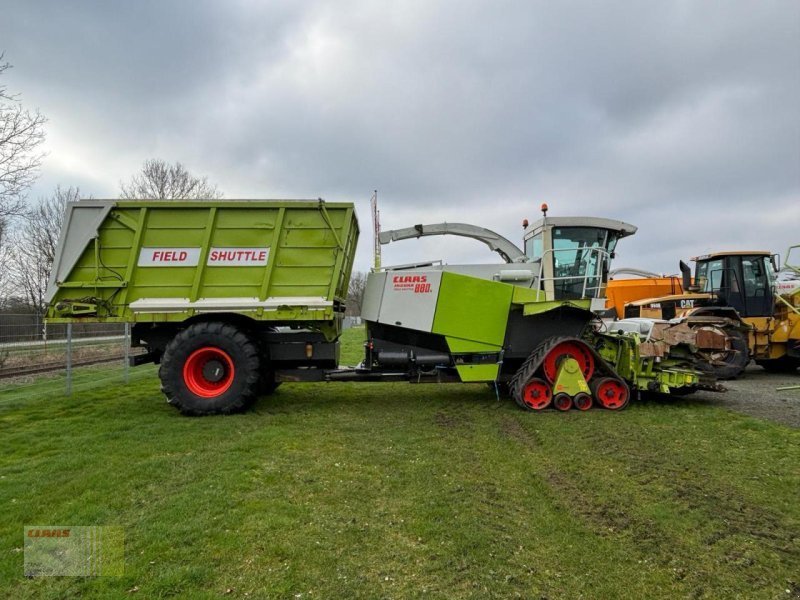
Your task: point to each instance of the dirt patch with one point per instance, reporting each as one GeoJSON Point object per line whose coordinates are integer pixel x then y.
{"type": "Point", "coordinates": [731, 515]}
{"type": "Point", "coordinates": [606, 517]}
{"type": "Point", "coordinates": [756, 395]}
{"type": "Point", "coordinates": [511, 428]}
{"type": "Point", "coordinates": [450, 420]}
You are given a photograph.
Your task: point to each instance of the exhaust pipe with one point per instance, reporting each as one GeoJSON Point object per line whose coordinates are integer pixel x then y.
{"type": "Point", "coordinates": [686, 273]}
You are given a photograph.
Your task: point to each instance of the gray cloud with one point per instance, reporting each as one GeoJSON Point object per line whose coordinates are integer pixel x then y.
{"type": "Point", "coordinates": [680, 117]}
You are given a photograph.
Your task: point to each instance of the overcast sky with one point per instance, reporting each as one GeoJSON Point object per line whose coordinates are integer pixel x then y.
{"type": "Point", "coordinates": [680, 117]}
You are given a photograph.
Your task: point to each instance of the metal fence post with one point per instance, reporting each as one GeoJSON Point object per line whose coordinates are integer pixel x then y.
{"type": "Point", "coordinates": [127, 342]}
{"type": "Point", "coordinates": [69, 358]}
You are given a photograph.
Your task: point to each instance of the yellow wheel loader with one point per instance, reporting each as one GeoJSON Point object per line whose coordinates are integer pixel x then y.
{"type": "Point", "coordinates": [745, 288]}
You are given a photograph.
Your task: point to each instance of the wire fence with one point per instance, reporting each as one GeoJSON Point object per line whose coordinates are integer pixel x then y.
{"type": "Point", "coordinates": [30, 348]}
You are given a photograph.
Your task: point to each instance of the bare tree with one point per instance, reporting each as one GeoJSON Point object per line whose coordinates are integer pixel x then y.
{"type": "Point", "coordinates": [355, 293]}
{"type": "Point", "coordinates": [158, 179]}
{"type": "Point", "coordinates": [32, 246]}
{"type": "Point", "coordinates": [21, 137]}
{"type": "Point", "coordinates": [5, 261]}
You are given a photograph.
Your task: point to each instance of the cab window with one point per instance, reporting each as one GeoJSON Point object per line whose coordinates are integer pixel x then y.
{"type": "Point", "coordinates": [534, 247]}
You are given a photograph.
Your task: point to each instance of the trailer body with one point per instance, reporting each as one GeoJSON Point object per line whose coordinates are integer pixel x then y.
{"type": "Point", "coordinates": [283, 262]}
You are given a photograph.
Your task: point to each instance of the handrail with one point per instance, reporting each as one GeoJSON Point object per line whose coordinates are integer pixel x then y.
{"type": "Point", "coordinates": [602, 255]}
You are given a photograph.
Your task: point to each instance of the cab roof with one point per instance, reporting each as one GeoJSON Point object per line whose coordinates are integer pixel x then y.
{"type": "Point", "coordinates": [620, 227]}
{"type": "Point", "coordinates": [732, 253]}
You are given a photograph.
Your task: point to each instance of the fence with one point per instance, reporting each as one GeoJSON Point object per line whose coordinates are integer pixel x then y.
{"type": "Point", "coordinates": [29, 347]}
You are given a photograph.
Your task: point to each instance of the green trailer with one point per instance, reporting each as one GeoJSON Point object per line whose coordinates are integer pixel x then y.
{"type": "Point", "coordinates": [232, 298]}
{"type": "Point", "coordinates": [172, 261]}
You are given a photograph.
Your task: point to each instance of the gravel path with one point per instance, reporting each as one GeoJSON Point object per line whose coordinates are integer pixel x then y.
{"type": "Point", "coordinates": [755, 395]}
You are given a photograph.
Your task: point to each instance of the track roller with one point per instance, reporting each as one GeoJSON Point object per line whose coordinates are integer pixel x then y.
{"type": "Point", "coordinates": [582, 401]}
{"type": "Point", "coordinates": [610, 393]}
{"type": "Point", "coordinates": [562, 402]}
{"type": "Point", "coordinates": [536, 394]}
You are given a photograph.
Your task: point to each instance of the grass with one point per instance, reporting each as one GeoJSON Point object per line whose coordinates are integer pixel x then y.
{"type": "Point", "coordinates": [394, 490]}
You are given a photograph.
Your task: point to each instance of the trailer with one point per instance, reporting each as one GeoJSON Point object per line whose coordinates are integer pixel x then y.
{"type": "Point", "coordinates": [232, 298]}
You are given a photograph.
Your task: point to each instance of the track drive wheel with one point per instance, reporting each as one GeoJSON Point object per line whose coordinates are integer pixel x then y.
{"type": "Point", "coordinates": [610, 393]}
{"type": "Point", "coordinates": [568, 349]}
{"type": "Point", "coordinates": [210, 368]}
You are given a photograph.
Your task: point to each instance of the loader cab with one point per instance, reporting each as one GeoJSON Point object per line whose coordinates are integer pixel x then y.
{"type": "Point", "coordinates": [574, 254]}
{"type": "Point", "coordinates": [743, 280]}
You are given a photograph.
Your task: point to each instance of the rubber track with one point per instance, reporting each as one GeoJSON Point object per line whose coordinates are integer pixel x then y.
{"type": "Point", "coordinates": [532, 364]}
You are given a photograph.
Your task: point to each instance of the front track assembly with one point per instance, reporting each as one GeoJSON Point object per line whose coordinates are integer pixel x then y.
{"type": "Point", "coordinates": [565, 372]}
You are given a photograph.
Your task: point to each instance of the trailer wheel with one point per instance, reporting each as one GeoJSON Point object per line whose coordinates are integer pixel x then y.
{"type": "Point", "coordinates": [267, 384]}
{"type": "Point", "coordinates": [210, 368]}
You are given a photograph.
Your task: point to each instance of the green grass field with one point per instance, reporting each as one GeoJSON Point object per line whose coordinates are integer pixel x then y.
{"type": "Point", "coordinates": [394, 490]}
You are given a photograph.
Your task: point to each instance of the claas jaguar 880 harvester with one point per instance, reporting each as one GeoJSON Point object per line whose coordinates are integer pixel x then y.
{"type": "Point", "coordinates": [232, 298]}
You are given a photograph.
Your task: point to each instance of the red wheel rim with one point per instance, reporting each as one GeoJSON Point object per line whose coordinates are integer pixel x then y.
{"type": "Point", "coordinates": [571, 349]}
{"type": "Point", "coordinates": [582, 401]}
{"type": "Point", "coordinates": [612, 394]}
{"type": "Point", "coordinates": [562, 402]}
{"type": "Point", "coordinates": [537, 394]}
{"type": "Point", "coordinates": [208, 372]}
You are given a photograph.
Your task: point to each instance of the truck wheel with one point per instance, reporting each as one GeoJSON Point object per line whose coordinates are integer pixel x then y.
{"type": "Point", "coordinates": [733, 363]}
{"type": "Point", "coordinates": [210, 368]}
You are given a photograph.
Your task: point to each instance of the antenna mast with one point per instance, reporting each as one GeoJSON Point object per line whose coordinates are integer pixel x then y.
{"type": "Point", "coordinates": [376, 229]}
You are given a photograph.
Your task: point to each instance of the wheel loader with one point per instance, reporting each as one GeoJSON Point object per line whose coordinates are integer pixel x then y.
{"type": "Point", "coordinates": [743, 290]}
{"type": "Point", "coordinates": [232, 298]}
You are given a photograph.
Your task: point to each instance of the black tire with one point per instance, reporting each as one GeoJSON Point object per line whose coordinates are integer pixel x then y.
{"type": "Point", "coordinates": [243, 379]}
{"type": "Point", "coordinates": [784, 364]}
{"type": "Point", "coordinates": [267, 384]}
{"type": "Point", "coordinates": [736, 360]}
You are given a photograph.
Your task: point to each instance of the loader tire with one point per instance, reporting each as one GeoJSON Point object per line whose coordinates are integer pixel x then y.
{"type": "Point", "coordinates": [210, 368]}
{"type": "Point", "coordinates": [784, 364]}
{"type": "Point", "coordinates": [736, 360]}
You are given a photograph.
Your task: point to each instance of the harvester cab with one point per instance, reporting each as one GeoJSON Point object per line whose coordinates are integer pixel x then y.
{"type": "Point", "coordinates": [574, 254]}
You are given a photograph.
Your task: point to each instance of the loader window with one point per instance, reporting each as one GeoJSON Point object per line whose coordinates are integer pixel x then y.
{"type": "Point", "coordinates": [757, 277]}
{"type": "Point", "coordinates": [709, 275]}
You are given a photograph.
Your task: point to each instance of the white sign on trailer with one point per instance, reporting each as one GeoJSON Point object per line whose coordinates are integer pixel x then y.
{"type": "Point", "coordinates": [238, 257]}
{"type": "Point", "coordinates": [190, 257]}
{"type": "Point", "coordinates": [169, 257]}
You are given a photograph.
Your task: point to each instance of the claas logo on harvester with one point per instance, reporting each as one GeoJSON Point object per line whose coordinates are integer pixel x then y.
{"type": "Point", "coordinates": [415, 283]}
